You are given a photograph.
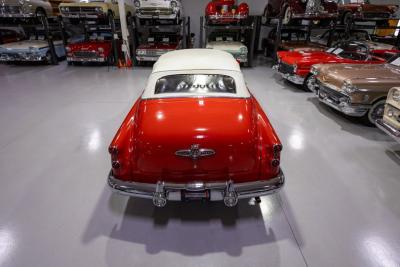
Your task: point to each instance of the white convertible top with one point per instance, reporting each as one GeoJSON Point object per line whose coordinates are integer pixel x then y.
{"type": "Point", "coordinates": [196, 59]}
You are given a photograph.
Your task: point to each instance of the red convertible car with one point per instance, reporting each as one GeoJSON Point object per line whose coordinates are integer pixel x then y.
{"type": "Point", "coordinates": [98, 48]}
{"type": "Point", "coordinates": [226, 11]}
{"type": "Point", "coordinates": [196, 133]}
{"type": "Point", "coordinates": [295, 66]}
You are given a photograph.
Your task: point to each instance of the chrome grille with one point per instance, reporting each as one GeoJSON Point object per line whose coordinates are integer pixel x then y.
{"type": "Point", "coordinates": [286, 68]}
{"type": "Point", "coordinates": [155, 11]}
{"type": "Point", "coordinates": [85, 54]}
{"type": "Point", "coordinates": [10, 10]}
{"type": "Point", "coordinates": [334, 95]}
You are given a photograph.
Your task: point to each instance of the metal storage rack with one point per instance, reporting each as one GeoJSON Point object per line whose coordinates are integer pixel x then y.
{"type": "Point", "coordinates": [248, 29]}
{"type": "Point", "coordinates": [136, 28]}
{"type": "Point", "coordinates": [47, 26]}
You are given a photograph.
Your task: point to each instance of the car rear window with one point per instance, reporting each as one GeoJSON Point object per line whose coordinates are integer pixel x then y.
{"type": "Point", "coordinates": [195, 84]}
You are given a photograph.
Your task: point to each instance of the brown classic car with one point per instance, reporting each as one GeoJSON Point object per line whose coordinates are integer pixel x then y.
{"type": "Point", "coordinates": [350, 10]}
{"type": "Point", "coordinates": [356, 90]}
{"type": "Point", "coordinates": [390, 123]}
{"type": "Point", "coordinates": [290, 10]}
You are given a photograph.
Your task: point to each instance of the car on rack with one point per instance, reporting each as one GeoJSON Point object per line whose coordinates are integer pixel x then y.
{"type": "Point", "coordinates": [357, 90]}
{"type": "Point", "coordinates": [157, 44]}
{"type": "Point", "coordinates": [226, 11]}
{"type": "Point", "coordinates": [390, 123]}
{"type": "Point", "coordinates": [295, 66]}
{"type": "Point", "coordinates": [350, 10]}
{"type": "Point", "coordinates": [35, 49]}
{"type": "Point", "coordinates": [97, 48]}
{"type": "Point", "coordinates": [25, 8]}
{"type": "Point", "coordinates": [291, 10]}
{"type": "Point", "coordinates": [159, 9]}
{"type": "Point", "coordinates": [196, 133]}
{"type": "Point", "coordinates": [228, 42]}
{"type": "Point", "coordinates": [94, 9]}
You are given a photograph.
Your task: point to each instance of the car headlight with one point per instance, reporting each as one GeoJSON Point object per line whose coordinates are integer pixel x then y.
{"type": "Point", "coordinates": [100, 49]}
{"type": "Point", "coordinates": [141, 52]}
{"type": "Point", "coordinates": [359, 9]}
{"type": "Point", "coordinates": [68, 49]}
{"type": "Point", "coordinates": [349, 87]}
{"type": "Point", "coordinates": [137, 3]}
{"type": "Point", "coordinates": [243, 50]}
{"type": "Point", "coordinates": [174, 4]}
{"type": "Point", "coordinates": [65, 8]}
{"type": "Point", "coordinates": [314, 71]}
{"type": "Point", "coordinates": [396, 95]}
{"type": "Point", "coordinates": [98, 9]}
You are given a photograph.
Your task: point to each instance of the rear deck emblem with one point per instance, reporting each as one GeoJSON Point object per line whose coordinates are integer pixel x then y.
{"type": "Point", "coordinates": [195, 152]}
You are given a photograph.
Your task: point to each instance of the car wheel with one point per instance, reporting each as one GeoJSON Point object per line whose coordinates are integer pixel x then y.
{"type": "Point", "coordinates": [376, 112]}
{"type": "Point", "coordinates": [287, 16]}
{"type": "Point", "coordinates": [309, 83]}
{"type": "Point", "coordinates": [347, 18]}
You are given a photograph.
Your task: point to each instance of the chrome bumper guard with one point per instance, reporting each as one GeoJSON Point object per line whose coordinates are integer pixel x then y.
{"type": "Point", "coordinates": [388, 129]}
{"type": "Point", "coordinates": [229, 192]}
{"type": "Point", "coordinates": [294, 78]}
{"type": "Point", "coordinates": [339, 101]}
{"type": "Point", "coordinates": [88, 59]}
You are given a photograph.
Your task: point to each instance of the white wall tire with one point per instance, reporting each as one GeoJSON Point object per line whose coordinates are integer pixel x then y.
{"type": "Point", "coordinates": [287, 16]}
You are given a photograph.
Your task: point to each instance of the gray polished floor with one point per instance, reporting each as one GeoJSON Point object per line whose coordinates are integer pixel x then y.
{"type": "Point", "coordinates": [340, 206]}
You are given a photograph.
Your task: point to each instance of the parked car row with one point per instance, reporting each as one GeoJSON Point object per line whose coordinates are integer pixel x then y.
{"type": "Point", "coordinates": [346, 11]}
{"type": "Point", "coordinates": [353, 77]}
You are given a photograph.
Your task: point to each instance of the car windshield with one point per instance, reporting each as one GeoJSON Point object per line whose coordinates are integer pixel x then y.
{"type": "Point", "coordinates": [195, 84]}
{"type": "Point", "coordinates": [350, 50]}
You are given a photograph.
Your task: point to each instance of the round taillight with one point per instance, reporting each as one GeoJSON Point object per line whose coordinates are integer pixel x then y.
{"type": "Point", "coordinates": [277, 148]}
{"type": "Point", "coordinates": [275, 163]}
{"type": "Point", "coordinates": [113, 150]}
{"type": "Point", "coordinates": [116, 165]}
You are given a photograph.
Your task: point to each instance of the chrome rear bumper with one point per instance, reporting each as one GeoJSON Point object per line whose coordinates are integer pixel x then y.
{"type": "Point", "coordinates": [388, 129]}
{"type": "Point", "coordinates": [229, 192]}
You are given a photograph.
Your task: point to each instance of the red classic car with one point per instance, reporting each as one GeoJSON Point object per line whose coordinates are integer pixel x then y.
{"type": "Point", "coordinates": [98, 48]}
{"type": "Point", "coordinates": [290, 10]}
{"type": "Point", "coordinates": [196, 132]}
{"type": "Point", "coordinates": [156, 46]}
{"type": "Point", "coordinates": [226, 11]}
{"type": "Point", "coordinates": [350, 10]}
{"type": "Point", "coordinates": [295, 66]}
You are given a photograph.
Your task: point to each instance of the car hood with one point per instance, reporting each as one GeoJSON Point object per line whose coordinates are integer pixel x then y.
{"type": "Point", "coordinates": [307, 58]}
{"type": "Point", "coordinates": [226, 45]}
{"type": "Point", "coordinates": [25, 45]}
{"type": "Point", "coordinates": [160, 46]}
{"type": "Point", "coordinates": [375, 75]}
{"type": "Point", "coordinates": [302, 46]}
{"type": "Point", "coordinates": [164, 126]}
{"type": "Point", "coordinates": [90, 45]}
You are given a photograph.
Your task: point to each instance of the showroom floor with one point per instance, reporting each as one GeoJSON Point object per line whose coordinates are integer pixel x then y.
{"type": "Point", "coordinates": [340, 206]}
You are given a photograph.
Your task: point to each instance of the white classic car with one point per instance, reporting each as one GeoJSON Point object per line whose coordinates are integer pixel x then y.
{"type": "Point", "coordinates": [390, 123]}
{"type": "Point", "coordinates": [238, 50]}
{"type": "Point", "coordinates": [158, 9]}
{"type": "Point", "coordinates": [30, 50]}
{"type": "Point", "coordinates": [25, 8]}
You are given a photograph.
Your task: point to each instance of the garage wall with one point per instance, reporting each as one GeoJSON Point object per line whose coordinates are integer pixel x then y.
{"type": "Point", "coordinates": [195, 9]}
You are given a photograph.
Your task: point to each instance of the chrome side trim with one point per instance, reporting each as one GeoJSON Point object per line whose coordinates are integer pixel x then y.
{"type": "Point", "coordinates": [227, 191]}
{"type": "Point", "coordinates": [389, 130]}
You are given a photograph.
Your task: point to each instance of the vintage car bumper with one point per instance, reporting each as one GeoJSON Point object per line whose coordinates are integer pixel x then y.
{"type": "Point", "coordinates": [21, 57]}
{"type": "Point", "coordinates": [227, 17]}
{"type": "Point", "coordinates": [389, 129]}
{"type": "Point", "coordinates": [228, 192]}
{"type": "Point", "coordinates": [340, 101]}
{"type": "Point", "coordinates": [78, 15]}
{"type": "Point", "coordinates": [87, 59]}
{"type": "Point", "coordinates": [317, 15]}
{"type": "Point", "coordinates": [156, 13]}
{"type": "Point", "coordinates": [15, 12]}
{"type": "Point", "coordinates": [147, 58]}
{"type": "Point", "coordinates": [288, 74]}
{"type": "Point", "coordinates": [373, 16]}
